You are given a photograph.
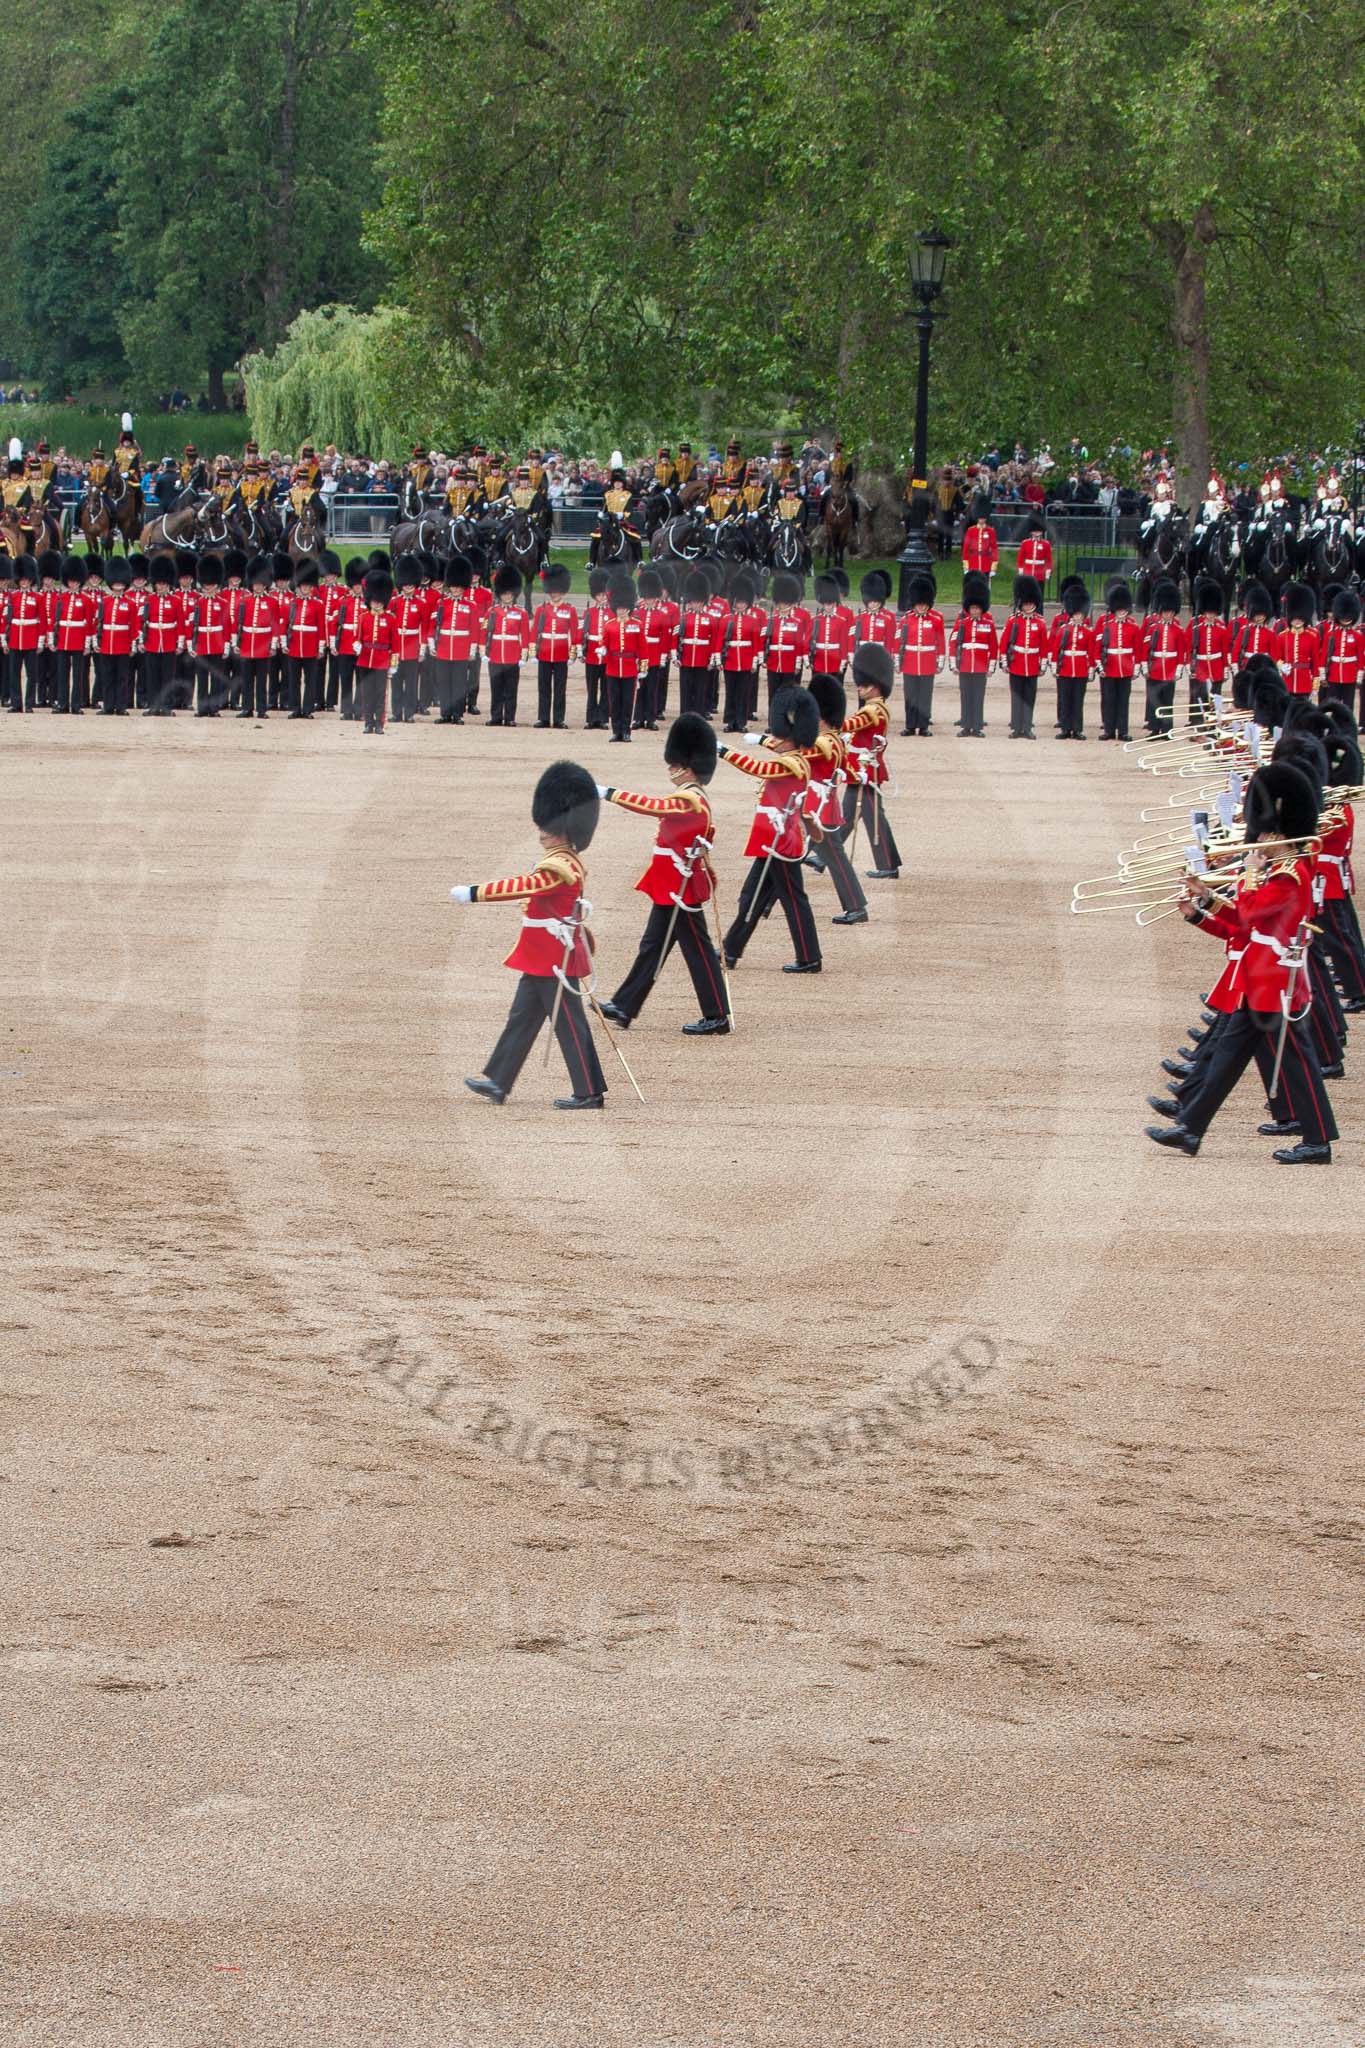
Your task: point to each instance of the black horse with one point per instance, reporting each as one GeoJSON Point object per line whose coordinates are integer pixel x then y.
{"type": "Point", "coordinates": [1272, 555]}
{"type": "Point", "coordinates": [1161, 554]}
{"type": "Point", "coordinates": [683, 538]}
{"type": "Point", "coordinates": [522, 546]}
{"type": "Point", "coordinates": [1330, 556]}
{"type": "Point", "coordinates": [612, 546]}
{"type": "Point", "coordinates": [1213, 556]}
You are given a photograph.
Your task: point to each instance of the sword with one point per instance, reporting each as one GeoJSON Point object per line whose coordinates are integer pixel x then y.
{"type": "Point", "coordinates": [1296, 954]}
{"type": "Point", "coordinates": [560, 977]}
{"type": "Point", "coordinates": [611, 1041]}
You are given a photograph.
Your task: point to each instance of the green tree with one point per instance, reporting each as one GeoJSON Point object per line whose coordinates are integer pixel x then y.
{"type": "Point", "coordinates": [243, 158]}
{"type": "Point", "coordinates": [72, 281]}
{"type": "Point", "coordinates": [337, 376]}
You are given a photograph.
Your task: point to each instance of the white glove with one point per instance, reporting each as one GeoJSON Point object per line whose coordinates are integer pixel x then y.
{"type": "Point", "coordinates": [462, 894]}
{"type": "Point", "coordinates": [603, 791]}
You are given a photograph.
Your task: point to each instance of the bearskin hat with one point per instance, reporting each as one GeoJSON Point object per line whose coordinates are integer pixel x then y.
{"type": "Point", "coordinates": [1344, 769]}
{"type": "Point", "coordinates": [1346, 608]}
{"type": "Point", "coordinates": [379, 558]}
{"type": "Point", "coordinates": [691, 744]}
{"type": "Point", "coordinates": [1299, 605]}
{"type": "Point", "coordinates": [284, 566]}
{"type": "Point", "coordinates": [50, 564]}
{"type": "Point", "coordinates": [1075, 598]}
{"type": "Point", "coordinates": [161, 572]}
{"type": "Point", "coordinates": [138, 564]}
{"type": "Point", "coordinates": [378, 587]}
{"type": "Point", "coordinates": [1256, 601]}
{"type": "Point", "coordinates": [566, 803]}
{"type": "Point", "coordinates": [921, 589]}
{"type": "Point", "coordinates": [841, 578]}
{"type": "Point", "coordinates": [712, 571]}
{"type": "Point", "coordinates": [826, 590]}
{"type": "Point", "coordinates": [1243, 682]}
{"type": "Point", "coordinates": [1304, 716]}
{"type": "Point", "coordinates": [1305, 751]}
{"type": "Point", "coordinates": [743, 591]}
{"type": "Point", "coordinates": [306, 576]}
{"type": "Point", "coordinates": [556, 579]}
{"type": "Point", "coordinates": [667, 573]}
{"type": "Point", "coordinates": [210, 572]}
{"type": "Point", "coordinates": [621, 592]}
{"type": "Point", "coordinates": [1340, 718]}
{"type": "Point", "coordinates": [6, 567]}
{"type": "Point", "coordinates": [507, 582]}
{"type": "Point", "coordinates": [1166, 596]}
{"type": "Point", "coordinates": [73, 569]}
{"type": "Point", "coordinates": [458, 575]}
{"type": "Point", "coordinates": [1035, 524]}
{"type": "Point", "coordinates": [407, 573]}
{"type": "Point", "coordinates": [26, 570]}
{"type": "Point", "coordinates": [260, 572]}
{"type": "Point", "coordinates": [648, 583]}
{"type": "Point", "coordinates": [831, 699]}
{"type": "Point", "coordinates": [975, 591]}
{"type": "Point", "coordinates": [234, 564]}
{"type": "Point", "coordinates": [1209, 600]}
{"type": "Point", "coordinates": [598, 581]}
{"type": "Point", "coordinates": [786, 589]}
{"type": "Point", "coordinates": [1280, 802]}
{"type": "Point", "coordinates": [1269, 700]}
{"type": "Point", "coordinates": [875, 587]}
{"type": "Point", "coordinates": [1026, 591]}
{"type": "Point", "coordinates": [355, 571]}
{"type": "Point", "coordinates": [118, 575]}
{"type": "Point", "coordinates": [329, 562]}
{"type": "Point", "coordinates": [696, 588]}
{"type": "Point", "coordinates": [1119, 597]}
{"type": "Point", "coordinates": [795, 715]}
{"type": "Point", "coordinates": [874, 668]}
{"type": "Point", "coordinates": [186, 563]}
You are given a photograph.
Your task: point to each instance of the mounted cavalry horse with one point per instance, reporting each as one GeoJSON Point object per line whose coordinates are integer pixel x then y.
{"type": "Point", "coordinates": [1272, 551]}
{"type": "Point", "coordinates": [433, 533]}
{"type": "Point", "coordinates": [307, 534]}
{"type": "Point", "coordinates": [1213, 556]}
{"type": "Point", "coordinates": [788, 548]}
{"type": "Point", "coordinates": [1161, 554]}
{"type": "Point", "coordinates": [611, 544]}
{"type": "Point", "coordinates": [836, 522]}
{"type": "Point", "coordinates": [28, 528]}
{"type": "Point", "coordinates": [185, 527]}
{"type": "Point", "coordinates": [1330, 556]}
{"type": "Point", "coordinates": [682, 538]}
{"type": "Point", "coordinates": [521, 545]}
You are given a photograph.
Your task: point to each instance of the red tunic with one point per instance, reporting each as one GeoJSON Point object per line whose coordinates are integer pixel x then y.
{"type": "Point", "coordinates": [1210, 645]}
{"type": "Point", "coordinates": [1341, 655]}
{"type": "Point", "coordinates": [1298, 650]}
{"type": "Point", "coordinates": [922, 643]}
{"type": "Point", "coordinates": [1035, 556]}
{"type": "Point", "coordinates": [346, 621]}
{"type": "Point", "coordinates": [875, 622]}
{"type": "Point", "coordinates": [1166, 648]}
{"type": "Point", "coordinates": [552, 938]}
{"type": "Point", "coordinates": [25, 634]}
{"type": "Point", "coordinates": [555, 630]}
{"type": "Point", "coordinates": [777, 825]}
{"type": "Point", "coordinates": [1248, 639]}
{"type": "Point", "coordinates": [1119, 647]}
{"type": "Point", "coordinates": [788, 637]}
{"type": "Point", "coordinates": [831, 641]}
{"type": "Point", "coordinates": [594, 618]}
{"type": "Point", "coordinates": [211, 626]}
{"type": "Point", "coordinates": [622, 646]}
{"type": "Point", "coordinates": [305, 625]}
{"type": "Point", "coordinates": [866, 733]}
{"type": "Point", "coordinates": [678, 872]}
{"type": "Point", "coordinates": [699, 637]}
{"type": "Point", "coordinates": [457, 627]}
{"type": "Point", "coordinates": [509, 634]}
{"type": "Point", "coordinates": [375, 639]}
{"type": "Point", "coordinates": [408, 611]}
{"type": "Point", "coordinates": [743, 639]}
{"type": "Point", "coordinates": [1071, 649]}
{"type": "Point", "coordinates": [1334, 858]}
{"type": "Point", "coordinates": [258, 626]}
{"type": "Point", "coordinates": [825, 791]}
{"type": "Point", "coordinates": [1262, 922]}
{"type": "Point", "coordinates": [975, 644]}
{"type": "Point", "coordinates": [980, 549]}
{"type": "Point", "coordinates": [74, 621]}
{"type": "Point", "coordinates": [120, 620]}
{"type": "Point", "coordinates": [1023, 645]}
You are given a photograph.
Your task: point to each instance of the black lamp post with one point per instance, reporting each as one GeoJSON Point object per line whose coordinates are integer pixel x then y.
{"type": "Point", "coordinates": [928, 262]}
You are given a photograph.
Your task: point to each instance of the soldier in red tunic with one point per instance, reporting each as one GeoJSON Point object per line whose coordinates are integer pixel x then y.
{"type": "Point", "coordinates": [118, 624]}
{"type": "Point", "coordinates": [824, 804]}
{"type": "Point", "coordinates": [743, 640]}
{"type": "Point", "coordinates": [679, 881]}
{"type": "Point", "coordinates": [789, 628]}
{"type": "Point", "coordinates": [1119, 652]}
{"type": "Point", "coordinates": [73, 626]}
{"type": "Point", "coordinates": [980, 548]}
{"type": "Point", "coordinates": [552, 953]}
{"type": "Point", "coordinates": [1035, 554]}
{"type": "Point", "coordinates": [1253, 632]}
{"type": "Point", "coordinates": [923, 644]}
{"type": "Point", "coordinates": [1266, 930]}
{"type": "Point", "coordinates": [1071, 651]}
{"type": "Point", "coordinates": [622, 651]}
{"type": "Point", "coordinates": [777, 840]}
{"type": "Point", "coordinates": [376, 651]}
{"type": "Point", "coordinates": [974, 648]}
{"type": "Point", "coordinates": [1165, 650]}
{"type": "Point", "coordinates": [1297, 647]}
{"type": "Point", "coordinates": [1210, 640]}
{"type": "Point", "coordinates": [1343, 651]}
{"type": "Point", "coordinates": [874, 673]}
{"type": "Point", "coordinates": [509, 634]}
{"type": "Point", "coordinates": [1023, 650]}
{"type": "Point", "coordinates": [210, 629]}
{"type": "Point", "coordinates": [555, 632]}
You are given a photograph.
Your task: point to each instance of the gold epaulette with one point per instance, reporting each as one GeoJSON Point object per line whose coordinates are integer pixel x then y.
{"type": "Point", "coordinates": [563, 867]}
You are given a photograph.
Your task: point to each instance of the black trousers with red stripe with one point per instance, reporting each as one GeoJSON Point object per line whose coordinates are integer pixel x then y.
{"type": "Point", "coordinates": [1253, 1034]}
{"type": "Point", "coordinates": [769, 882]}
{"type": "Point", "coordinates": [690, 933]}
{"type": "Point", "coordinates": [863, 806]}
{"type": "Point", "coordinates": [1342, 942]}
{"type": "Point", "coordinates": [532, 1006]}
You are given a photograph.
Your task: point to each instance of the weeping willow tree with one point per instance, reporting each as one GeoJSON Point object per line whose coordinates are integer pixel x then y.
{"type": "Point", "coordinates": [338, 376]}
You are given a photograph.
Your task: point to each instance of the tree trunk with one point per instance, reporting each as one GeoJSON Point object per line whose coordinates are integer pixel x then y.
{"type": "Point", "coordinates": [217, 391]}
{"type": "Point", "coordinates": [1188, 249]}
{"type": "Point", "coordinates": [276, 282]}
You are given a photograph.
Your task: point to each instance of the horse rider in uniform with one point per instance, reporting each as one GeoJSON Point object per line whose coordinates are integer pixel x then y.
{"type": "Point", "coordinates": [666, 476]}
{"type": "Point", "coordinates": [303, 490]}
{"type": "Point", "coordinates": [224, 483]}
{"type": "Point", "coordinates": [254, 487]}
{"type": "Point", "coordinates": [464, 493]}
{"type": "Point", "coordinates": [722, 500]}
{"type": "Point", "coordinates": [46, 461]}
{"type": "Point", "coordinates": [191, 472]}
{"type": "Point", "coordinates": [495, 483]}
{"type": "Point", "coordinates": [97, 468]}
{"type": "Point", "coordinates": [127, 454]}
{"type": "Point", "coordinates": [620, 501]}
{"type": "Point", "coordinates": [1161, 508]}
{"type": "Point", "coordinates": [15, 489]}
{"type": "Point", "coordinates": [533, 473]}
{"type": "Point", "coordinates": [1215, 504]}
{"type": "Point", "coordinates": [755, 491]}
{"type": "Point", "coordinates": [733, 468]}
{"type": "Point", "coordinates": [1331, 504]}
{"type": "Point", "coordinates": [686, 466]}
{"type": "Point", "coordinates": [416, 481]}
{"type": "Point", "coordinates": [308, 461]}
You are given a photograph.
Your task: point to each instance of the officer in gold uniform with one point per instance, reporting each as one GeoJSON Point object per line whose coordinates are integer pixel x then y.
{"type": "Point", "coordinates": [686, 466]}
{"type": "Point", "coordinates": [224, 483]}
{"type": "Point", "coordinates": [255, 486]}
{"type": "Point", "coordinates": [97, 468]}
{"type": "Point", "coordinates": [495, 484]}
{"type": "Point", "coordinates": [665, 471]}
{"type": "Point", "coordinates": [46, 461]}
{"type": "Point", "coordinates": [308, 461]}
{"type": "Point", "coordinates": [302, 488]}
{"type": "Point", "coordinates": [128, 455]}
{"type": "Point", "coordinates": [733, 468]}
{"type": "Point", "coordinates": [723, 499]}
{"type": "Point", "coordinates": [15, 488]}
{"type": "Point", "coordinates": [464, 493]}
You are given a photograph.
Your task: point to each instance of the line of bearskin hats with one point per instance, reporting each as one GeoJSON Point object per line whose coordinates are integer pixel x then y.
{"type": "Point", "coordinates": [785, 588]}
{"type": "Point", "coordinates": [1118, 597]}
{"type": "Point", "coordinates": [1026, 591]}
{"type": "Point", "coordinates": [691, 744]}
{"type": "Point", "coordinates": [1257, 602]}
{"type": "Point", "coordinates": [1075, 598]}
{"type": "Point", "coordinates": [831, 699]}
{"type": "Point", "coordinates": [873, 667]}
{"type": "Point", "coordinates": [507, 582]}
{"type": "Point", "coordinates": [1166, 596]}
{"type": "Point", "coordinates": [976, 591]}
{"type": "Point", "coordinates": [794, 715]}
{"type": "Point", "coordinates": [566, 803]}
{"type": "Point", "coordinates": [378, 587]}
{"type": "Point", "coordinates": [1209, 600]}
{"type": "Point", "coordinates": [1280, 801]}
{"type": "Point", "coordinates": [922, 589]}
{"type": "Point", "coordinates": [875, 587]}
{"type": "Point", "coordinates": [1300, 605]}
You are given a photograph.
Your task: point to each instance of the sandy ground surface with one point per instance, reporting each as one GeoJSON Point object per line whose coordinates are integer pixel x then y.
{"type": "Point", "coordinates": [862, 1550]}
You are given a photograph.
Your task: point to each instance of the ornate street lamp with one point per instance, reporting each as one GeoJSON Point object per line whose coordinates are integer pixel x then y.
{"type": "Point", "coordinates": [928, 262]}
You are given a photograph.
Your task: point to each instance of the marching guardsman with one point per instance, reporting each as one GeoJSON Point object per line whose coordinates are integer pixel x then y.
{"type": "Point", "coordinates": [789, 631]}
{"type": "Point", "coordinates": [923, 645]}
{"type": "Point", "coordinates": [304, 630]}
{"type": "Point", "coordinates": [980, 548]}
{"type": "Point", "coordinates": [974, 648]}
{"type": "Point", "coordinates": [875, 622]}
{"type": "Point", "coordinates": [679, 882]}
{"type": "Point", "coordinates": [865, 734]}
{"type": "Point", "coordinates": [622, 651]}
{"type": "Point", "coordinates": [555, 634]}
{"type": "Point", "coordinates": [257, 638]}
{"type": "Point", "coordinates": [1035, 553]}
{"type": "Point", "coordinates": [1165, 651]}
{"type": "Point", "coordinates": [1254, 632]}
{"type": "Point", "coordinates": [1298, 649]}
{"type": "Point", "coordinates": [210, 637]}
{"type": "Point", "coordinates": [777, 839]}
{"type": "Point", "coordinates": [457, 629]}
{"type": "Point", "coordinates": [166, 628]}
{"type": "Point", "coordinates": [553, 953]}
{"type": "Point", "coordinates": [408, 617]}
{"type": "Point", "coordinates": [832, 627]}
{"type": "Point", "coordinates": [1267, 924]}
{"type": "Point", "coordinates": [1071, 651]}
{"type": "Point", "coordinates": [1210, 640]}
{"type": "Point", "coordinates": [699, 634]}
{"type": "Point", "coordinates": [376, 649]}
{"type": "Point", "coordinates": [49, 589]}
{"type": "Point", "coordinates": [739, 643]}
{"type": "Point", "coordinates": [1023, 650]}
{"type": "Point", "coordinates": [345, 636]}
{"type": "Point", "coordinates": [824, 802]}
{"type": "Point", "coordinates": [1336, 911]}
{"type": "Point", "coordinates": [72, 629]}
{"type": "Point", "coordinates": [1342, 654]}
